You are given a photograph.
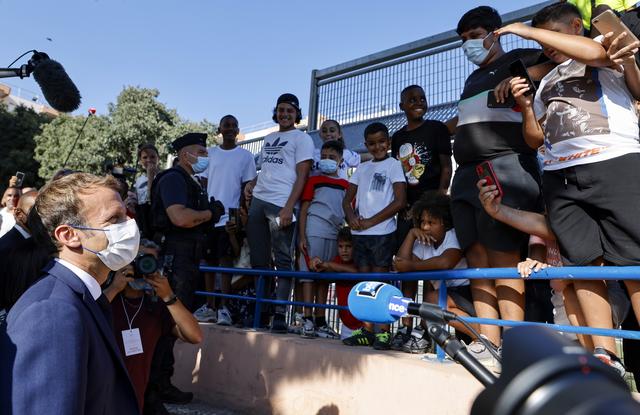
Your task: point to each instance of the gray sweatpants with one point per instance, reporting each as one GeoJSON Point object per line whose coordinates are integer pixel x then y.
{"type": "Point", "coordinates": [265, 236]}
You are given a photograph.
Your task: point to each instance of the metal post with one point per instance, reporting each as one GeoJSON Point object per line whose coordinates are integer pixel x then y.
{"type": "Point", "coordinates": [442, 302]}
{"type": "Point", "coordinates": [259, 295]}
{"type": "Point", "coordinates": [312, 124]}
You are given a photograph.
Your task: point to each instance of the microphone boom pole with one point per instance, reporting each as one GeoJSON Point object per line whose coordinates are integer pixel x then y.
{"type": "Point", "coordinates": [73, 147]}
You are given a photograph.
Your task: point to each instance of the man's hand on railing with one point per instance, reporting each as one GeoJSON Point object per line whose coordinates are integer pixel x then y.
{"type": "Point", "coordinates": [526, 267]}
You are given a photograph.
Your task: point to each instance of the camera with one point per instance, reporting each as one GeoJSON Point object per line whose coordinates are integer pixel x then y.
{"type": "Point", "coordinates": [145, 264]}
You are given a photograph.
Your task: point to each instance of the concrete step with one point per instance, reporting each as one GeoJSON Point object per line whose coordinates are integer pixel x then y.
{"type": "Point", "coordinates": [262, 373]}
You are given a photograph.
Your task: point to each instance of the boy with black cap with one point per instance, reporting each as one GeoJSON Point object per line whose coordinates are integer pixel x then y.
{"type": "Point", "coordinates": [286, 159]}
{"type": "Point", "coordinates": [181, 212]}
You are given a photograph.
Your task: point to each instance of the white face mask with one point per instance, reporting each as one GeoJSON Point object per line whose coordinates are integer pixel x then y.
{"type": "Point", "coordinates": [124, 241]}
{"type": "Point", "coordinates": [475, 51]}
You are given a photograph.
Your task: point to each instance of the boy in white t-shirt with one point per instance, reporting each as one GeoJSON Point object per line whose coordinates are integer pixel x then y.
{"type": "Point", "coordinates": [286, 157]}
{"type": "Point", "coordinates": [230, 169]}
{"type": "Point", "coordinates": [379, 189]}
{"type": "Point", "coordinates": [584, 115]}
{"type": "Point", "coordinates": [432, 245]}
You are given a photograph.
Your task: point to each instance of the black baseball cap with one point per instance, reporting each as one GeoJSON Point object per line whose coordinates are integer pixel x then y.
{"type": "Point", "coordinates": [189, 139]}
{"type": "Point", "coordinates": [289, 99]}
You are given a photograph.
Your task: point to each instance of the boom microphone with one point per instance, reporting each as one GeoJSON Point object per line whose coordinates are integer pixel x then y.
{"type": "Point", "coordinates": [377, 302]}
{"type": "Point", "coordinates": [57, 88]}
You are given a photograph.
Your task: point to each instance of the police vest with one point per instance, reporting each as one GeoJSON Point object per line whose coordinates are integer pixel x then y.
{"type": "Point", "coordinates": [196, 200]}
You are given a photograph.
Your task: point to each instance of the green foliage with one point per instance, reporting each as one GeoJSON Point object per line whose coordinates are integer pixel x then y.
{"type": "Point", "coordinates": [17, 130]}
{"type": "Point", "coordinates": [137, 117]}
{"type": "Point", "coordinates": [54, 144]}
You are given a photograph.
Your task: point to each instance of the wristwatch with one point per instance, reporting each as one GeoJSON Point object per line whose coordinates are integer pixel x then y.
{"type": "Point", "coordinates": [171, 300]}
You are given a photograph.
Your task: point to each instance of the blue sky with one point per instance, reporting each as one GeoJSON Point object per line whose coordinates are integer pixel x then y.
{"type": "Point", "coordinates": [210, 58]}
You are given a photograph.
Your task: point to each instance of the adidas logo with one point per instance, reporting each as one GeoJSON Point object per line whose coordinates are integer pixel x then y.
{"type": "Point", "coordinates": [274, 148]}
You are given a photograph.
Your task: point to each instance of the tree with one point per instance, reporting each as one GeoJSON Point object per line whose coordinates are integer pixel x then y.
{"type": "Point", "coordinates": [17, 131]}
{"type": "Point", "coordinates": [56, 140]}
{"type": "Point", "coordinates": [137, 117]}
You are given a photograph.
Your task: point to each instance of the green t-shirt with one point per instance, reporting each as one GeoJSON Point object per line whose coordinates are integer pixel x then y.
{"type": "Point", "coordinates": [585, 8]}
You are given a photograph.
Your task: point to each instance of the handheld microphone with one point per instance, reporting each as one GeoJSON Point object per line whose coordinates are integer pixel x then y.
{"type": "Point", "coordinates": [377, 302]}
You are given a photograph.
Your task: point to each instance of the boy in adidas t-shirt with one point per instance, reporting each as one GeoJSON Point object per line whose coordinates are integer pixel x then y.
{"type": "Point", "coordinates": [230, 169]}
{"type": "Point", "coordinates": [584, 115]}
{"type": "Point", "coordinates": [321, 217]}
{"type": "Point", "coordinates": [286, 157]}
{"type": "Point", "coordinates": [379, 189]}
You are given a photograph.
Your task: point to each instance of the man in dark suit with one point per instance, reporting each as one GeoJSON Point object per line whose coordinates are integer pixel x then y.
{"type": "Point", "coordinates": [59, 354]}
{"type": "Point", "coordinates": [20, 231]}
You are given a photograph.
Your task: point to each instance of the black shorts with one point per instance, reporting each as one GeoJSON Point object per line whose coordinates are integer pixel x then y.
{"type": "Point", "coordinates": [593, 210]}
{"type": "Point", "coordinates": [404, 224]}
{"type": "Point", "coordinates": [461, 296]}
{"type": "Point", "coordinates": [373, 250]}
{"type": "Point", "coordinates": [519, 177]}
{"type": "Point", "coordinates": [217, 246]}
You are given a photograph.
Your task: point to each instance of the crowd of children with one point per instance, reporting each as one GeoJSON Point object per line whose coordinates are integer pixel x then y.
{"type": "Point", "coordinates": [390, 210]}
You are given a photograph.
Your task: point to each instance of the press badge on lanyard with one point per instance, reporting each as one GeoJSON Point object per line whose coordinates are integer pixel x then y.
{"type": "Point", "coordinates": [131, 338]}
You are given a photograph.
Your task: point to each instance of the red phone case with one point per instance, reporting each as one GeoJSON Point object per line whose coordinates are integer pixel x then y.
{"type": "Point", "coordinates": [485, 171]}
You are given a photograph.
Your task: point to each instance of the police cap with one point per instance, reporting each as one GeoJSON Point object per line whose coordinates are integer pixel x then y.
{"type": "Point", "coordinates": [189, 139]}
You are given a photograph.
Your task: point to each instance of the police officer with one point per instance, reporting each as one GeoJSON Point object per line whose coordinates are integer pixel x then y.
{"type": "Point", "coordinates": [180, 214]}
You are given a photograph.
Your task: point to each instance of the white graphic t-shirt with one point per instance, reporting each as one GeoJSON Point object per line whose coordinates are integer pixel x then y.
{"type": "Point", "coordinates": [590, 115]}
{"type": "Point", "coordinates": [424, 251]}
{"type": "Point", "coordinates": [375, 181]}
{"type": "Point", "coordinates": [228, 169]}
{"type": "Point", "coordinates": [281, 152]}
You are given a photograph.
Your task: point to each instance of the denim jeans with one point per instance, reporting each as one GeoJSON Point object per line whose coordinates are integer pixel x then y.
{"type": "Point", "coordinates": [264, 236]}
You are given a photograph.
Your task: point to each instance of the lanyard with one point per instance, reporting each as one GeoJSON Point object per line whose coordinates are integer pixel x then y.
{"type": "Point", "coordinates": [130, 322]}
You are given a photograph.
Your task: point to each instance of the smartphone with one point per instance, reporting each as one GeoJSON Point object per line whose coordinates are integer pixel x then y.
{"type": "Point", "coordinates": [608, 22]}
{"type": "Point", "coordinates": [485, 171]}
{"type": "Point", "coordinates": [510, 102]}
{"type": "Point", "coordinates": [518, 69]}
{"type": "Point", "coordinates": [234, 215]}
{"type": "Point", "coordinates": [20, 177]}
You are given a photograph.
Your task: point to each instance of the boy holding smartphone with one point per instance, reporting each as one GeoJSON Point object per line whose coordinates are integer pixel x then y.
{"type": "Point", "coordinates": [584, 114]}
{"type": "Point", "coordinates": [230, 169]}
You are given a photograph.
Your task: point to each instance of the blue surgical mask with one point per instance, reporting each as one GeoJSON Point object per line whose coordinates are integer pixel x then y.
{"type": "Point", "coordinates": [475, 51]}
{"type": "Point", "coordinates": [328, 166]}
{"type": "Point", "coordinates": [201, 165]}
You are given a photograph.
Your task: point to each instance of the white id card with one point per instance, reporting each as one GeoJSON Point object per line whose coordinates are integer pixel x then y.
{"type": "Point", "coordinates": [132, 342]}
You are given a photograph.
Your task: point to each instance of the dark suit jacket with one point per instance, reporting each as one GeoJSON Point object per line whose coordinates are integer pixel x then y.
{"type": "Point", "coordinates": [59, 355]}
{"type": "Point", "coordinates": [11, 239]}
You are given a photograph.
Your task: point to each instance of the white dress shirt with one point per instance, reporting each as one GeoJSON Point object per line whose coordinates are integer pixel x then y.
{"type": "Point", "coordinates": [88, 280]}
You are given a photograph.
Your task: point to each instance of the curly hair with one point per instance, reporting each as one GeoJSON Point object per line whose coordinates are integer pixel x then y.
{"type": "Point", "coordinates": [437, 205]}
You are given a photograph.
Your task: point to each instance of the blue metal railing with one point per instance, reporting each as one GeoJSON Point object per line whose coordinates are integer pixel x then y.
{"type": "Point", "coordinates": [560, 273]}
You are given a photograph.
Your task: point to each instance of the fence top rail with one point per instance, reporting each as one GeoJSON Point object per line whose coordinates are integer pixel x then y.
{"type": "Point", "coordinates": [419, 45]}
{"type": "Point", "coordinates": [560, 273]}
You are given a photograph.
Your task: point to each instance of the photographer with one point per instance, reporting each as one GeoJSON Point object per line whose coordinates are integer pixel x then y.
{"type": "Point", "coordinates": [139, 196]}
{"type": "Point", "coordinates": [142, 319]}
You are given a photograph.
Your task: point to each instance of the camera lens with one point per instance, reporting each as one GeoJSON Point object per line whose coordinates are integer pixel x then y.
{"type": "Point", "coordinates": [146, 264]}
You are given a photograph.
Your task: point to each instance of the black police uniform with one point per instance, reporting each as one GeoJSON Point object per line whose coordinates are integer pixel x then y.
{"type": "Point", "coordinates": [181, 247]}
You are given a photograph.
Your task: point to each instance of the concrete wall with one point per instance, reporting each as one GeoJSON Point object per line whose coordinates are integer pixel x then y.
{"type": "Point", "coordinates": [261, 373]}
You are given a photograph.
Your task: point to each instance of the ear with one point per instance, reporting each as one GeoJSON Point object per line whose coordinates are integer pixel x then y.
{"type": "Point", "coordinates": [576, 25]}
{"type": "Point", "coordinates": [401, 105]}
{"type": "Point", "coordinates": [67, 236]}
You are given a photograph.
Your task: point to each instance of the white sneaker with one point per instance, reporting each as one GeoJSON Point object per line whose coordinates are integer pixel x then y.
{"type": "Point", "coordinates": [298, 321]}
{"type": "Point", "coordinates": [205, 315]}
{"type": "Point", "coordinates": [308, 329]}
{"type": "Point", "coordinates": [327, 332]}
{"type": "Point", "coordinates": [478, 350]}
{"type": "Point", "coordinates": [224, 317]}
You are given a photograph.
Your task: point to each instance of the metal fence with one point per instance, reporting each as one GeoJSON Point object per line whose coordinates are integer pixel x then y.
{"type": "Point", "coordinates": [565, 273]}
{"type": "Point", "coordinates": [368, 88]}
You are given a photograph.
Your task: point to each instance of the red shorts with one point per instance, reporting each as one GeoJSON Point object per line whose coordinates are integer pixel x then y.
{"type": "Point", "coordinates": [342, 293]}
